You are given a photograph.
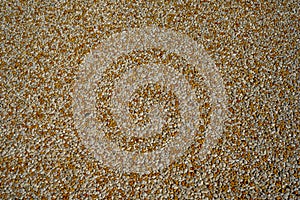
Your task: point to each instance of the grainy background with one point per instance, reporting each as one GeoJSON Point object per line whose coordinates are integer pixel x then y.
{"type": "Point", "coordinates": [255, 46]}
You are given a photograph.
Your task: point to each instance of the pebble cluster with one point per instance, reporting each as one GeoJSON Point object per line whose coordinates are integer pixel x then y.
{"type": "Point", "coordinates": [255, 47]}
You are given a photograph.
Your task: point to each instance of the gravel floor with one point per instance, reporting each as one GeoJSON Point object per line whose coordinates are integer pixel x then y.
{"type": "Point", "coordinates": [149, 100]}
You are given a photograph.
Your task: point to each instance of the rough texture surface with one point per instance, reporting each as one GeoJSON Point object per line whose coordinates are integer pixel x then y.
{"type": "Point", "coordinates": [255, 47]}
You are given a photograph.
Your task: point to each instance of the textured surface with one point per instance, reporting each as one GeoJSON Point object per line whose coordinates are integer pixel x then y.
{"type": "Point", "coordinates": [255, 47]}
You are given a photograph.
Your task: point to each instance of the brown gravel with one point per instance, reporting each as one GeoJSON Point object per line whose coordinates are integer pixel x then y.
{"type": "Point", "coordinates": [255, 47]}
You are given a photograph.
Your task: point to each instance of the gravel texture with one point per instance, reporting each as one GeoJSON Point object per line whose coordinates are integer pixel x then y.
{"type": "Point", "coordinates": [149, 100]}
